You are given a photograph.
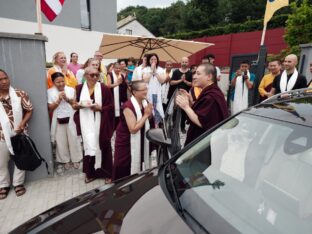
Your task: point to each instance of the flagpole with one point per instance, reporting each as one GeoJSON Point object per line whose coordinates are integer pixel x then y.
{"type": "Point", "coordinates": [263, 35]}
{"type": "Point", "coordinates": [39, 20]}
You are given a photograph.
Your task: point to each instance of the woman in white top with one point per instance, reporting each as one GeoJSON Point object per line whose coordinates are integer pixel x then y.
{"type": "Point", "coordinates": [91, 62]}
{"type": "Point", "coordinates": [154, 76]}
{"type": "Point", "coordinates": [137, 73]}
{"type": "Point", "coordinates": [63, 129]}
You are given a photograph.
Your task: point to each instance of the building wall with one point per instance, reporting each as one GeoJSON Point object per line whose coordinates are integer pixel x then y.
{"type": "Point", "coordinates": [64, 33]}
{"type": "Point", "coordinates": [137, 29]}
{"type": "Point", "coordinates": [240, 43]}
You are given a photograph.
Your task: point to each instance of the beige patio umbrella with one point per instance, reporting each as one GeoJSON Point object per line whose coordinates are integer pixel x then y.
{"type": "Point", "coordinates": [123, 46]}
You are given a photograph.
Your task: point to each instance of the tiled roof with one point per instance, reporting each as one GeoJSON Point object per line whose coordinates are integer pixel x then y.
{"type": "Point", "coordinates": [125, 21]}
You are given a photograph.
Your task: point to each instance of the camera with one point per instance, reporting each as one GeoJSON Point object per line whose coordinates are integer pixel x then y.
{"type": "Point", "coordinates": [244, 74]}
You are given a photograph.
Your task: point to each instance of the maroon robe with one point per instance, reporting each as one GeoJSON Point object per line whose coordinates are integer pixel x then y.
{"type": "Point", "coordinates": [211, 109]}
{"type": "Point", "coordinates": [106, 132]}
{"type": "Point", "coordinates": [122, 157]}
{"type": "Point", "coordinates": [123, 97]}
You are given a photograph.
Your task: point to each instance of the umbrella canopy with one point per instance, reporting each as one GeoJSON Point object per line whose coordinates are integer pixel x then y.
{"type": "Point", "coordinates": [122, 46]}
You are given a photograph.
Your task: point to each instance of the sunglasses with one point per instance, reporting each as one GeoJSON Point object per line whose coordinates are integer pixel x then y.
{"type": "Point", "coordinates": [94, 75]}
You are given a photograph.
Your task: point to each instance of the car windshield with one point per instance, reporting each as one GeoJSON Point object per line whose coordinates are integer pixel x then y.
{"type": "Point", "coordinates": [251, 175]}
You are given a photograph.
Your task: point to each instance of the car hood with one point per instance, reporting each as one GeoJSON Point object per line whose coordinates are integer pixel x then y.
{"type": "Point", "coordinates": [134, 205]}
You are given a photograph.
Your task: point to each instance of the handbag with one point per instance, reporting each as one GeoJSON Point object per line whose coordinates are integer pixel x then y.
{"type": "Point", "coordinates": [63, 120]}
{"type": "Point", "coordinates": [26, 156]}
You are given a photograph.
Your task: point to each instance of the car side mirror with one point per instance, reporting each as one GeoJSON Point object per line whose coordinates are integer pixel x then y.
{"type": "Point", "coordinates": [157, 137]}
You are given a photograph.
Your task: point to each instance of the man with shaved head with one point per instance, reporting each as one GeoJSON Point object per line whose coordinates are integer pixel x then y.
{"type": "Point", "coordinates": [181, 79]}
{"type": "Point", "coordinates": [290, 79]}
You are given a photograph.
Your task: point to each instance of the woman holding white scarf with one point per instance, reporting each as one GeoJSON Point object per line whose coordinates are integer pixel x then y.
{"type": "Point", "coordinates": [95, 123]}
{"type": "Point", "coordinates": [117, 83]}
{"type": "Point", "coordinates": [131, 145]}
{"type": "Point", "coordinates": [63, 129]}
{"type": "Point", "coordinates": [154, 76]}
{"type": "Point", "coordinates": [60, 65]}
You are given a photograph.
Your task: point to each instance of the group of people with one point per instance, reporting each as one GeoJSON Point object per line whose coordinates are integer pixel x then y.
{"type": "Point", "coordinates": [282, 77]}
{"type": "Point", "coordinates": [89, 103]}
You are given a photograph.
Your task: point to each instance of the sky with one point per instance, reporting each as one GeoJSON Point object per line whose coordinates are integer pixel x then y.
{"type": "Point", "coordinates": [121, 4]}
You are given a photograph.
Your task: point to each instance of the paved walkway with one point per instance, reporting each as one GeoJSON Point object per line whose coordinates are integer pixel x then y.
{"type": "Point", "coordinates": [42, 195]}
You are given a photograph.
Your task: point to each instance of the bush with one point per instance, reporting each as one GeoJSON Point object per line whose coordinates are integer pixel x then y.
{"type": "Point", "coordinates": [248, 26]}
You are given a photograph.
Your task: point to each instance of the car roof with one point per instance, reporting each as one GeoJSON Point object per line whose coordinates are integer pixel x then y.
{"type": "Point", "coordinates": [296, 109]}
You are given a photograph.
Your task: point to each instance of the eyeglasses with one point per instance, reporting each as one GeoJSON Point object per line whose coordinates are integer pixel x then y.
{"type": "Point", "coordinates": [94, 75]}
{"type": "Point", "coordinates": [141, 89]}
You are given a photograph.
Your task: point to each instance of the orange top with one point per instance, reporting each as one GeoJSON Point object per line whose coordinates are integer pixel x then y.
{"type": "Point", "coordinates": [70, 79]}
{"type": "Point", "coordinates": [197, 91]}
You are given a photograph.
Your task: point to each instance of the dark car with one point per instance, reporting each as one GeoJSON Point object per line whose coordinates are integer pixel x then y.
{"type": "Point", "coordinates": [250, 174]}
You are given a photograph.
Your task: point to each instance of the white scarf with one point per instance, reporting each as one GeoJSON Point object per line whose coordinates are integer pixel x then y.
{"type": "Point", "coordinates": [240, 95]}
{"type": "Point", "coordinates": [154, 87]}
{"type": "Point", "coordinates": [90, 124]}
{"type": "Point", "coordinates": [116, 95]}
{"type": "Point", "coordinates": [54, 93]}
{"type": "Point", "coordinates": [284, 86]}
{"type": "Point", "coordinates": [17, 110]}
{"type": "Point", "coordinates": [135, 140]}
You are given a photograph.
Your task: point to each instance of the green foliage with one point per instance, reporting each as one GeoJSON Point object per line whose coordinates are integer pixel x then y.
{"type": "Point", "coordinates": [248, 26]}
{"type": "Point", "coordinates": [298, 28]}
{"type": "Point", "coordinates": [205, 16]}
{"type": "Point", "coordinates": [299, 24]}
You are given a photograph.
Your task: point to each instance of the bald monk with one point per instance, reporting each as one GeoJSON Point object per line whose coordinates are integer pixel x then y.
{"type": "Point", "coordinates": [290, 79]}
{"type": "Point", "coordinates": [209, 108]}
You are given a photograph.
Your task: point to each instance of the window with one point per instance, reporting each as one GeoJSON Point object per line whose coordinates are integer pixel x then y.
{"type": "Point", "coordinates": [128, 31]}
{"type": "Point", "coordinates": [85, 14]}
{"type": "Point", "coordinates": [252, 175]}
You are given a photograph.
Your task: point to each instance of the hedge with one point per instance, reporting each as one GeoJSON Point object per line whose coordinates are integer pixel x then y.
{"type": "Point", "coordinates": [248, 26]}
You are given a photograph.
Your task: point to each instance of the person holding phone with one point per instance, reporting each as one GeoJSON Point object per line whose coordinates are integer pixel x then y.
{"type": "Point", "coordinates": [241, 84]}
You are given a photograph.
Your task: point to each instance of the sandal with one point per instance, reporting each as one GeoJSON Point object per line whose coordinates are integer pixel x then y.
{"type": "Point", "coordinates": [19, 190]}
{"type": "Point", "coordinates": [4, 192]}
{"type": "Point", "coordinates": [76, 165]}
{"type": "Point", "coordinates": [89, 180]}
{"type": "Point", "coordinates": [67, 166]}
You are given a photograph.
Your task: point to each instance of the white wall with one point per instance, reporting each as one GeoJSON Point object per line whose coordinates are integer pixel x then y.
{"type": "Point", "coordinates": [60, 38]}
{"type": "Point", "coordinates": [137, 29]}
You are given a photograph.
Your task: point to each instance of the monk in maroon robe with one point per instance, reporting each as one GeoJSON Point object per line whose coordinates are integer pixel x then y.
{"type": "Point", "coordinates": [128, 125]}
{"type": "Point", "coordinates": [209, 108]}
{"type": "Point", "coordinates": [106, 128]}
{"type": "Point", "coordinates": [120, 82]}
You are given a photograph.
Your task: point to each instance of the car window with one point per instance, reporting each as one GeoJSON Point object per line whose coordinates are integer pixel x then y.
{"type": "Point", "coordinates": [251, 175]}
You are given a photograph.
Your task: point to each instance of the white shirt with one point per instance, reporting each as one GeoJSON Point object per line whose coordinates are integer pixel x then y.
{"type": "Point", "coordinates": [64, 108]}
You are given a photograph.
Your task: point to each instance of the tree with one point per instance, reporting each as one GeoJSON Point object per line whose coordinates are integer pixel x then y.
{"type": "Point", "coordinates": [299, 24]}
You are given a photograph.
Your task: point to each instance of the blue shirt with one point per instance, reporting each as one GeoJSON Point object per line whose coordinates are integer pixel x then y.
{"type": "Point", "coordinates": [132, 67]}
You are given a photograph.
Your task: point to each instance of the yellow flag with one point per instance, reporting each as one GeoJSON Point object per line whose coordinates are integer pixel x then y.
{"type": "Point", "coordinates": [271, 7]}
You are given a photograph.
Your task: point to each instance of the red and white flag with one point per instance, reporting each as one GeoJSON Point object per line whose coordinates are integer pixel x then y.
{"type": "Point", "coordinates": [51, 8]}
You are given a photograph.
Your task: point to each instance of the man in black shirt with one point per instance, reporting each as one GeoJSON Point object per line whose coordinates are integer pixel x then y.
{"type": "Point", "coordinates": [289, 79]}
{"type": "Point", "coordinates": [181, 79]}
